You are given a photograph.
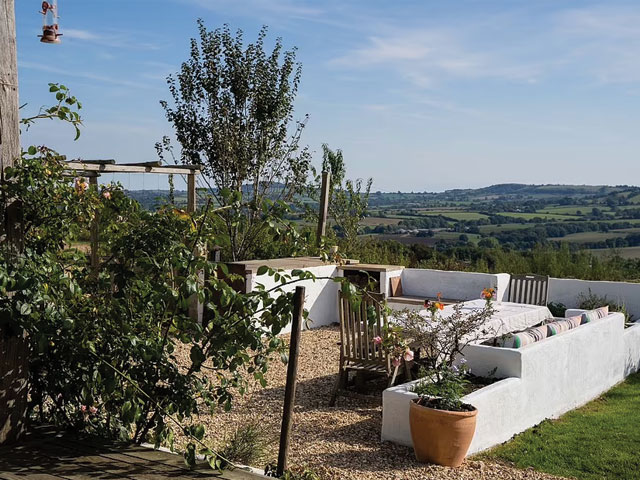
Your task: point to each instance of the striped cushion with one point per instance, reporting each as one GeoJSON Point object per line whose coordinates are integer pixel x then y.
{"type": "Point", "coordinates": [558, 326]}
{"type": "Point", "coordinates": [517, 340]}
{"type": "Point", "coordinates": [575, 321]}
{"type": "Point", "coordinates": [596, 314]}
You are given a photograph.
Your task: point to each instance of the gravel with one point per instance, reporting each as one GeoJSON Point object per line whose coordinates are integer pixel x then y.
{"type": "Point", "coordinates": [339, 443]}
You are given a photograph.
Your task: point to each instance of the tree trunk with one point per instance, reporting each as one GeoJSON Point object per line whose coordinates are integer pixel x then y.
{"type": "Point", "coordinates": [13, 346]}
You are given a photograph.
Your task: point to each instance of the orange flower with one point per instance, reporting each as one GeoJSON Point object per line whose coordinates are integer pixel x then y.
{"type": "Point", "coordinates": [440, 306]}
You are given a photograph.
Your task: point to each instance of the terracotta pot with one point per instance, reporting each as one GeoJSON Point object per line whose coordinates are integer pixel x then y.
{"type": "Point", "coordinates": [441, 436]}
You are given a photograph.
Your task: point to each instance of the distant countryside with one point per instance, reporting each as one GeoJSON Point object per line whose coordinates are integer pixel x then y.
{"type": "Point", "coordinates": [602, 219]}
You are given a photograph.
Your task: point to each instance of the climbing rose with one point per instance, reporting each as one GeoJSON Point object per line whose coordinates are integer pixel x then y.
{"type": "Point", "coordinates": [106, 194]}
{"type": "Point", "coordinates": [83, 408]}
{"type": "Point", "coordinates": [396, 362]}
{"type": "Point", "coordinates": [93, 410]}
{"type": "Point", "coordinates": [377, 340]}
{"type": "Point", "coordinates": [408, 355]}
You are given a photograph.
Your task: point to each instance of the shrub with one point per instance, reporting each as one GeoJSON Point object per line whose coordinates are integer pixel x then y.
{"type": "Point", "coordinates": [590, 301]}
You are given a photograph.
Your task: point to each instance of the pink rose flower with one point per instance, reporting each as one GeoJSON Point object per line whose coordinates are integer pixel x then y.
{"type": "Point", "coordinates": [408, 355]}
{"type": "Point", "coordinates": [106, 194]}
{"type": "Point", "coordinates": [396, 362]}
{"type": "Point", "coordinates": [83, 408]}
{"type": "Point", "coordinates": [377, 340]}
{"type": "Point", "coordinates": [93, 410]}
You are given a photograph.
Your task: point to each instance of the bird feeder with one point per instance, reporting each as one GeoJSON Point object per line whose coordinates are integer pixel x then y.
{"type": "Point", "coordinates": [50, 28]}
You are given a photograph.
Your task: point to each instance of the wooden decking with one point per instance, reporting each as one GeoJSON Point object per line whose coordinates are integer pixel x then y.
{"type": "Point", "coordinates": [47, 455]}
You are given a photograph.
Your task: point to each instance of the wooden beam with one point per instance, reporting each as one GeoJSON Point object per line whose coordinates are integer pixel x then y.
{"type": "Point", "coordinates": [324, 207]}
{"type": "Point", "coordinates": [156, 163]}
{"type": "Point", "coordinates": [14, 356]}
{"type": "Point", "coordinates": [106, 161]}
{"type": "Point", "coordinates": [89, 167]}
{"type": "Point", "coordinates": [290, 387]}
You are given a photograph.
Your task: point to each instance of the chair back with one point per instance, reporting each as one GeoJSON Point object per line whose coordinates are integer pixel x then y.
{"type": "Point", "coordinates": [529, 289]}
{"type": "Point", "coordinates": [359, 325]}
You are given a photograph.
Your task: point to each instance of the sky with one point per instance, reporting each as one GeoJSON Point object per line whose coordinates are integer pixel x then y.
{"type": "Point", "coordinates": [420, 95]}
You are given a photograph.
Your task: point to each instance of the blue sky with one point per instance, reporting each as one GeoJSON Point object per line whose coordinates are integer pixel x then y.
{"type": "Point", "coordinates": [420, 95]}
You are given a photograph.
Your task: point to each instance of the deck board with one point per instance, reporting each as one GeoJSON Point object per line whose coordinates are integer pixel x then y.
{"type": "Point", "coordinates": [45, 454]}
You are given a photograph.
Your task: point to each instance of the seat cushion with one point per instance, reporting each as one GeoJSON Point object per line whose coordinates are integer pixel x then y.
{"type": "Point", "coordinates": [596, 314]}
{"type": "Point", "coordinates": [526, 337]}
{"type": "Point", "coordinates": [559, 325]}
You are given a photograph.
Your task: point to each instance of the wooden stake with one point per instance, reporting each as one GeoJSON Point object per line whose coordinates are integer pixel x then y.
{"type": "Point", "coordinates": [95, 223]}
{"type": "Point", "coordinates": [290, 388]}
{"type": "Point", "coordinates": [191, 193]}
{"type": "Point", "coordinates": [324, 207]}
{"type": "Point", "coordinates": [14, 361]}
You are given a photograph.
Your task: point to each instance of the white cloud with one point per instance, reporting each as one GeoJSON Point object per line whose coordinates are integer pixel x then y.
{"type": "Point", "coordinates": [606, 39]}
{"type": "Point", "coordinates": [424, 56]}
{"type": "Point", "coordinates": [80, 34]}
{"type": "Point", "coordinates": [83, 74]}
{"type": "Point", "coordinates": [286, 8]}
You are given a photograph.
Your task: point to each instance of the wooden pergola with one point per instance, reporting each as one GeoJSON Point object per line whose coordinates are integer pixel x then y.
{"type": "Point", "coordinates": [92, 169]}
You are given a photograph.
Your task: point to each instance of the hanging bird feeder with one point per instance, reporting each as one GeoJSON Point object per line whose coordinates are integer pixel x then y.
{"type": "Point", "coordinates": [50, 27]}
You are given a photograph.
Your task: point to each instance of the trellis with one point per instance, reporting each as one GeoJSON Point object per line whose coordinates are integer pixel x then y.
{"type": "Point", "coordinates": [95, 168]}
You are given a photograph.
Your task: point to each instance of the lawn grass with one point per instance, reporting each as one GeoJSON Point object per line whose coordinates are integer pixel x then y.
{"type": "Point", "coordinates": [597, 441]}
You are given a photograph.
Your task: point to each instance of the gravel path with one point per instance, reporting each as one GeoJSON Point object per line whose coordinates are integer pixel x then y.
{"type": "Point", "coordinates": [340, 443]}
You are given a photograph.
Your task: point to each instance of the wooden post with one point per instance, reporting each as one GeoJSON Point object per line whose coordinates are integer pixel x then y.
{"type": "Point", "coordinates": [14, 362]}
{"type": "Point", "coordinates": [290, 388]}
{"type": "Point", "coordinates": [195, 307]}
{"type": "Point", "coordinates": [191, 193]}
{"type": "Point", "coordinates": [324, 207]}
{"type": "Point", "coordinates": [95, 224]}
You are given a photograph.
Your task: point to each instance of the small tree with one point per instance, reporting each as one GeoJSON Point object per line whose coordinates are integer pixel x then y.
{"type": "Point", "coordinates": [232, 114]}
{"type": "Point", "coordinates": [348, 202]}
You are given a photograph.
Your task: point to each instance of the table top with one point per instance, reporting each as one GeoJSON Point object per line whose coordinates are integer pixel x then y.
{"type": "Point", "coordinates": [507, 317]}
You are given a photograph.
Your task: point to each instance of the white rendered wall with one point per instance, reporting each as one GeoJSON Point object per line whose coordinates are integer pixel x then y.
{"type": "Point", "coordinates": [550, 378]}
{"type": "Point", "coordinates": [420, 282]}
{"type": "Point", "coordinates": [567, 290]}
{"type": "Point", "coordinates": [632, 349]}
{"type": "Point", "coordinates": [321, 295]}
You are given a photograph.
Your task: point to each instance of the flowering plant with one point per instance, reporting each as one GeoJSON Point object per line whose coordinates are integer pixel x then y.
{"type": "Point", "coordinates": [489, 294]}
{"type": "Point", "coordinates": [394, 346]}
{"type": "Point", "coordinates": [441, 340]}
{"type": "Point", "coordinates": [434, 306]}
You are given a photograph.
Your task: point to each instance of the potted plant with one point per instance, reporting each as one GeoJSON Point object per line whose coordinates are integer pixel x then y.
{"type": "Point", "coordinates": [442, 426]}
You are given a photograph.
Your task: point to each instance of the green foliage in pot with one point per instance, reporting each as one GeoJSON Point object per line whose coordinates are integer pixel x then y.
{"type": "Point", "coordinates": [443, 389]}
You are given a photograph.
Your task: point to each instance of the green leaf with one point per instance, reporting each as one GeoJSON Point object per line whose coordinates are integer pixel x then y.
{"type": "Point", "coordinates": [262, 270]}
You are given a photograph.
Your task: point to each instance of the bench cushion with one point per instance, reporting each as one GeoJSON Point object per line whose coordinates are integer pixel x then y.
{"type": "Point", "coordinates": [559, 325]}
{"type": "Point", "coordinates": [596, 314]}
{"type": "Point", "coordinates": [520, 339]}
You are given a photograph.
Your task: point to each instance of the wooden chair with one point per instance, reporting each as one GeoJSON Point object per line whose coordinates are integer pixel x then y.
{"type": "Point", "coordinates": [358, 327]}
{"type": "Point", "coordinates": [529, 289]}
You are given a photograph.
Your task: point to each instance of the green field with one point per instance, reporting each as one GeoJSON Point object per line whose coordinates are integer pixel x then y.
{"type": "Point", "coordinates": [374, 221]}
{"type": "Point", "coordinates": [454, 236]}
{"type": "Point", "coordinates": [573, 209]}
{"type": "Point", "coordinates": [545, 216]}
{"type": "Point", "coordinates": [626, 252]}
{"type": "Point", "coordinates": [505, 227]}
{"type": "Point", "coordinates": [455, 214]}
{"type": "Point", "coordinates": [584, 237]}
